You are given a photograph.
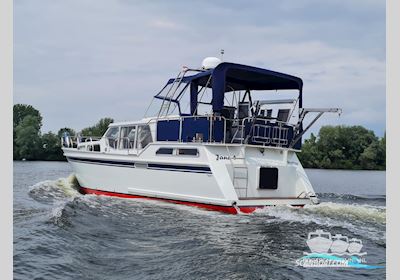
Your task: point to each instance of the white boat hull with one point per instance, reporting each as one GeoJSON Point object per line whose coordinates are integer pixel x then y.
{"type": "Point", "coordinates": [206, 179]}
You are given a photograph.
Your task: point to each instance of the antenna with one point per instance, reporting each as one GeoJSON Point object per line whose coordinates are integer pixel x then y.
{"type": "Point", "coordinates": [222, 54]}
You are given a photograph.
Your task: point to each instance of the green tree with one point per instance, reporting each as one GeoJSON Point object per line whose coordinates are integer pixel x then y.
{"type": "Point", "coordinates": [51, 147]}
{"type": "Point", "coordinates": [27, 138]}
{"type": "Point", "coordinates": [344, 147]}
{"type": "Point", "coordinates": [98, 129]}
{"type": "Point", "coordinates": [20, 111]}
{"type": "Point", "coordinates": [31, 145]}
{"type": "Point", "coordinates": [368, 158]}
{"type": "Point", "coordinates": [309, 153]}
{"type": "Point", "coordinates": [381, 154]}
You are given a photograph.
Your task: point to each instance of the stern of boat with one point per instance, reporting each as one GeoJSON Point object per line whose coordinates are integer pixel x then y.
{"type": "Point", "coordinates": [261, 176]}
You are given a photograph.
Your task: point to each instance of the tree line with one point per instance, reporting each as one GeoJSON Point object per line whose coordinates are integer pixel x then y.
{"type": "Point", "coordinates": [335, 147]}
{"type": "Point", "coordinates": [344, 147]}
{"type": "Point", "coordinates": [30, 144]}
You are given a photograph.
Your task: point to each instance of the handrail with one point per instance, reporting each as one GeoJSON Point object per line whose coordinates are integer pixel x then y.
{"type": "Point", "coordinates": [268, 125]}
{"type": "Point", "coordinates": [277, 132]}
{"type": "Point", "coordinates": [280, 129]}
{"type": "Point", "coordinates": [75, 140]}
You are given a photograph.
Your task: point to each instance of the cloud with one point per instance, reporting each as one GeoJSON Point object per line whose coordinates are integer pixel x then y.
{"type": "Point", "coordinates": [80, 61]}
{"type": "Point", "coordinates": [164, 24]}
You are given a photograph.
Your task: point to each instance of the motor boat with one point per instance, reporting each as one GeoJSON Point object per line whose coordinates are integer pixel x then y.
{"type": "Point", "coordinates": [319, 241]}
{"type": "Point", "coordinates": [229, 149]}
{"type": "Point", "coordinates": [340, 244]}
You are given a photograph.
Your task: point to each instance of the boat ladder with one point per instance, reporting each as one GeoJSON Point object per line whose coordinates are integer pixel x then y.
{"type": "Point", "coordinates": [240, 179]}
{"type": "Point", "coordinates": [240, 174]}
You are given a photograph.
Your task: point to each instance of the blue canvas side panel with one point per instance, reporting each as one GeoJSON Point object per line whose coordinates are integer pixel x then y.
{"type": "Point", "coordinates": [218, 130]}
{"type": "Point", "coordinates": [193, 97]}
{"type": "Point", "coordinates": [168, 130]}
{"type": "Point", "coordinates": [290, 135]}
{"type": "Point", "coordinates": [191, 126]}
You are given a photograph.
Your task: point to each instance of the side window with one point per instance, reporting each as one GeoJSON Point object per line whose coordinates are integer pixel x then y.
{"type": "Point", "coordinates": [128, 134]}
{"type": "Point", "coordinates": [177, 152]}
{"type": "Point", "coordinates": [188, 152]}
{"type": "Point", "coordinates": [112, 136]}
{"type": "Point", "coordinates": [164, 151]}
{"type": "Point", "coordinates": [144, 136]}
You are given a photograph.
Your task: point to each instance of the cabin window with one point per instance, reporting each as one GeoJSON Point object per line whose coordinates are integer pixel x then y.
{"type": "Point", "coordinates": [127, 136]}
{"type": "Point", "coordinates": [144, 136]}
{"type": "Point", "coordinates": [188, 152]}
{"type": "Point", "coordinates": [177, 152]}
{"type": "Point", "coordinates": [112, 136]}
{"type": "Point", "coordinates": [165, 151]}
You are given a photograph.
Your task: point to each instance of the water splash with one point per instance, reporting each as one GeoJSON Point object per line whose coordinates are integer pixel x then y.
{"type": "Point", "coordinates": [364, 213]}
{"type": "Point", "coordinates": [64, 190]}
{"type": "Point", "coordinates": [364, 220]}
{"type": "Point", "coordinates": [337, 211]}
{"type": "Point", "coordinates": [60, 189]}
{"type": "Point", "coordinates": [56, 193]}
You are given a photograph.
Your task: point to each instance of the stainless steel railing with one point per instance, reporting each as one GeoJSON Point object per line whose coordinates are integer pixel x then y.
{"type": "Point", "coordinates": [121, 143]}
{"type": "Point", "coordinates": [262, 131]}
{"type": "Point", "coordinates": [74, 141]}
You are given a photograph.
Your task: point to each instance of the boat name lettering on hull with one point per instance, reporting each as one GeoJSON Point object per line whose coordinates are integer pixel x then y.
{"type": "Point", "coordinates": [221, 157]}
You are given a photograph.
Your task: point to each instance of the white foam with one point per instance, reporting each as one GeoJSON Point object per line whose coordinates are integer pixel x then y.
{"type": "Point", "coordinates": [59, 192]}
{"type": "Point", "coordinates": [60, 188]}
{"type": "Point", "coordinates": [360, 219]}
{"type": "Point", "coordinates": [365, 213]}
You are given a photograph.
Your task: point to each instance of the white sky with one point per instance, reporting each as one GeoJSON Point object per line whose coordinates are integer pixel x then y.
{"type": "Point", "coordinates": [79, 61]}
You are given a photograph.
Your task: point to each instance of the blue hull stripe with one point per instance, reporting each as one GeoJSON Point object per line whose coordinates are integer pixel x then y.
{"type": "Point", "coordinates": [103, 162]}
{"type": "Point", "coordinates": [180, 167]}
{"type": "Point", "coordinates": [152, 166]}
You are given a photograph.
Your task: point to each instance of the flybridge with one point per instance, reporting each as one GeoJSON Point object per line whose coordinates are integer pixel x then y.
{"type": "Point", "coordinates": [228, 77]}
{"type": "Point", "coordinates": [242, 119]}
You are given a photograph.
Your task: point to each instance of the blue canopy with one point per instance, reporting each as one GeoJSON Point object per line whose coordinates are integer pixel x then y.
{"type": "Point", "coordinates": [231, 76]}
{"type": "Point", "coordinates": [201, 77]}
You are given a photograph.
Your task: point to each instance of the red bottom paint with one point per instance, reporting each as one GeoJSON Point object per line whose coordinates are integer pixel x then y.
{"type": "Point", "coordinates": [225, 209]}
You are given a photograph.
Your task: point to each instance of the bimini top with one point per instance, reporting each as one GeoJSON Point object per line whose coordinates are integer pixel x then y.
{"type": "Point", "coordinates": [231, 77]}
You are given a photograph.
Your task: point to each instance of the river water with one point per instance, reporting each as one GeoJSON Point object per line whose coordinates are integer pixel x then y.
{"type": "Point", "coordinates": [61, 234]}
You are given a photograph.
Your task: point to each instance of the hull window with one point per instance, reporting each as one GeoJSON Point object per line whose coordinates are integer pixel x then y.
{"type": "Point", "coordinates": [164, 151]}
{"type": "Point", "coordinates": [177, 152]}
{"type": "Point", "coordinates": [268, 178]}
{"type": "Point", "coordinates": [188, 152]}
